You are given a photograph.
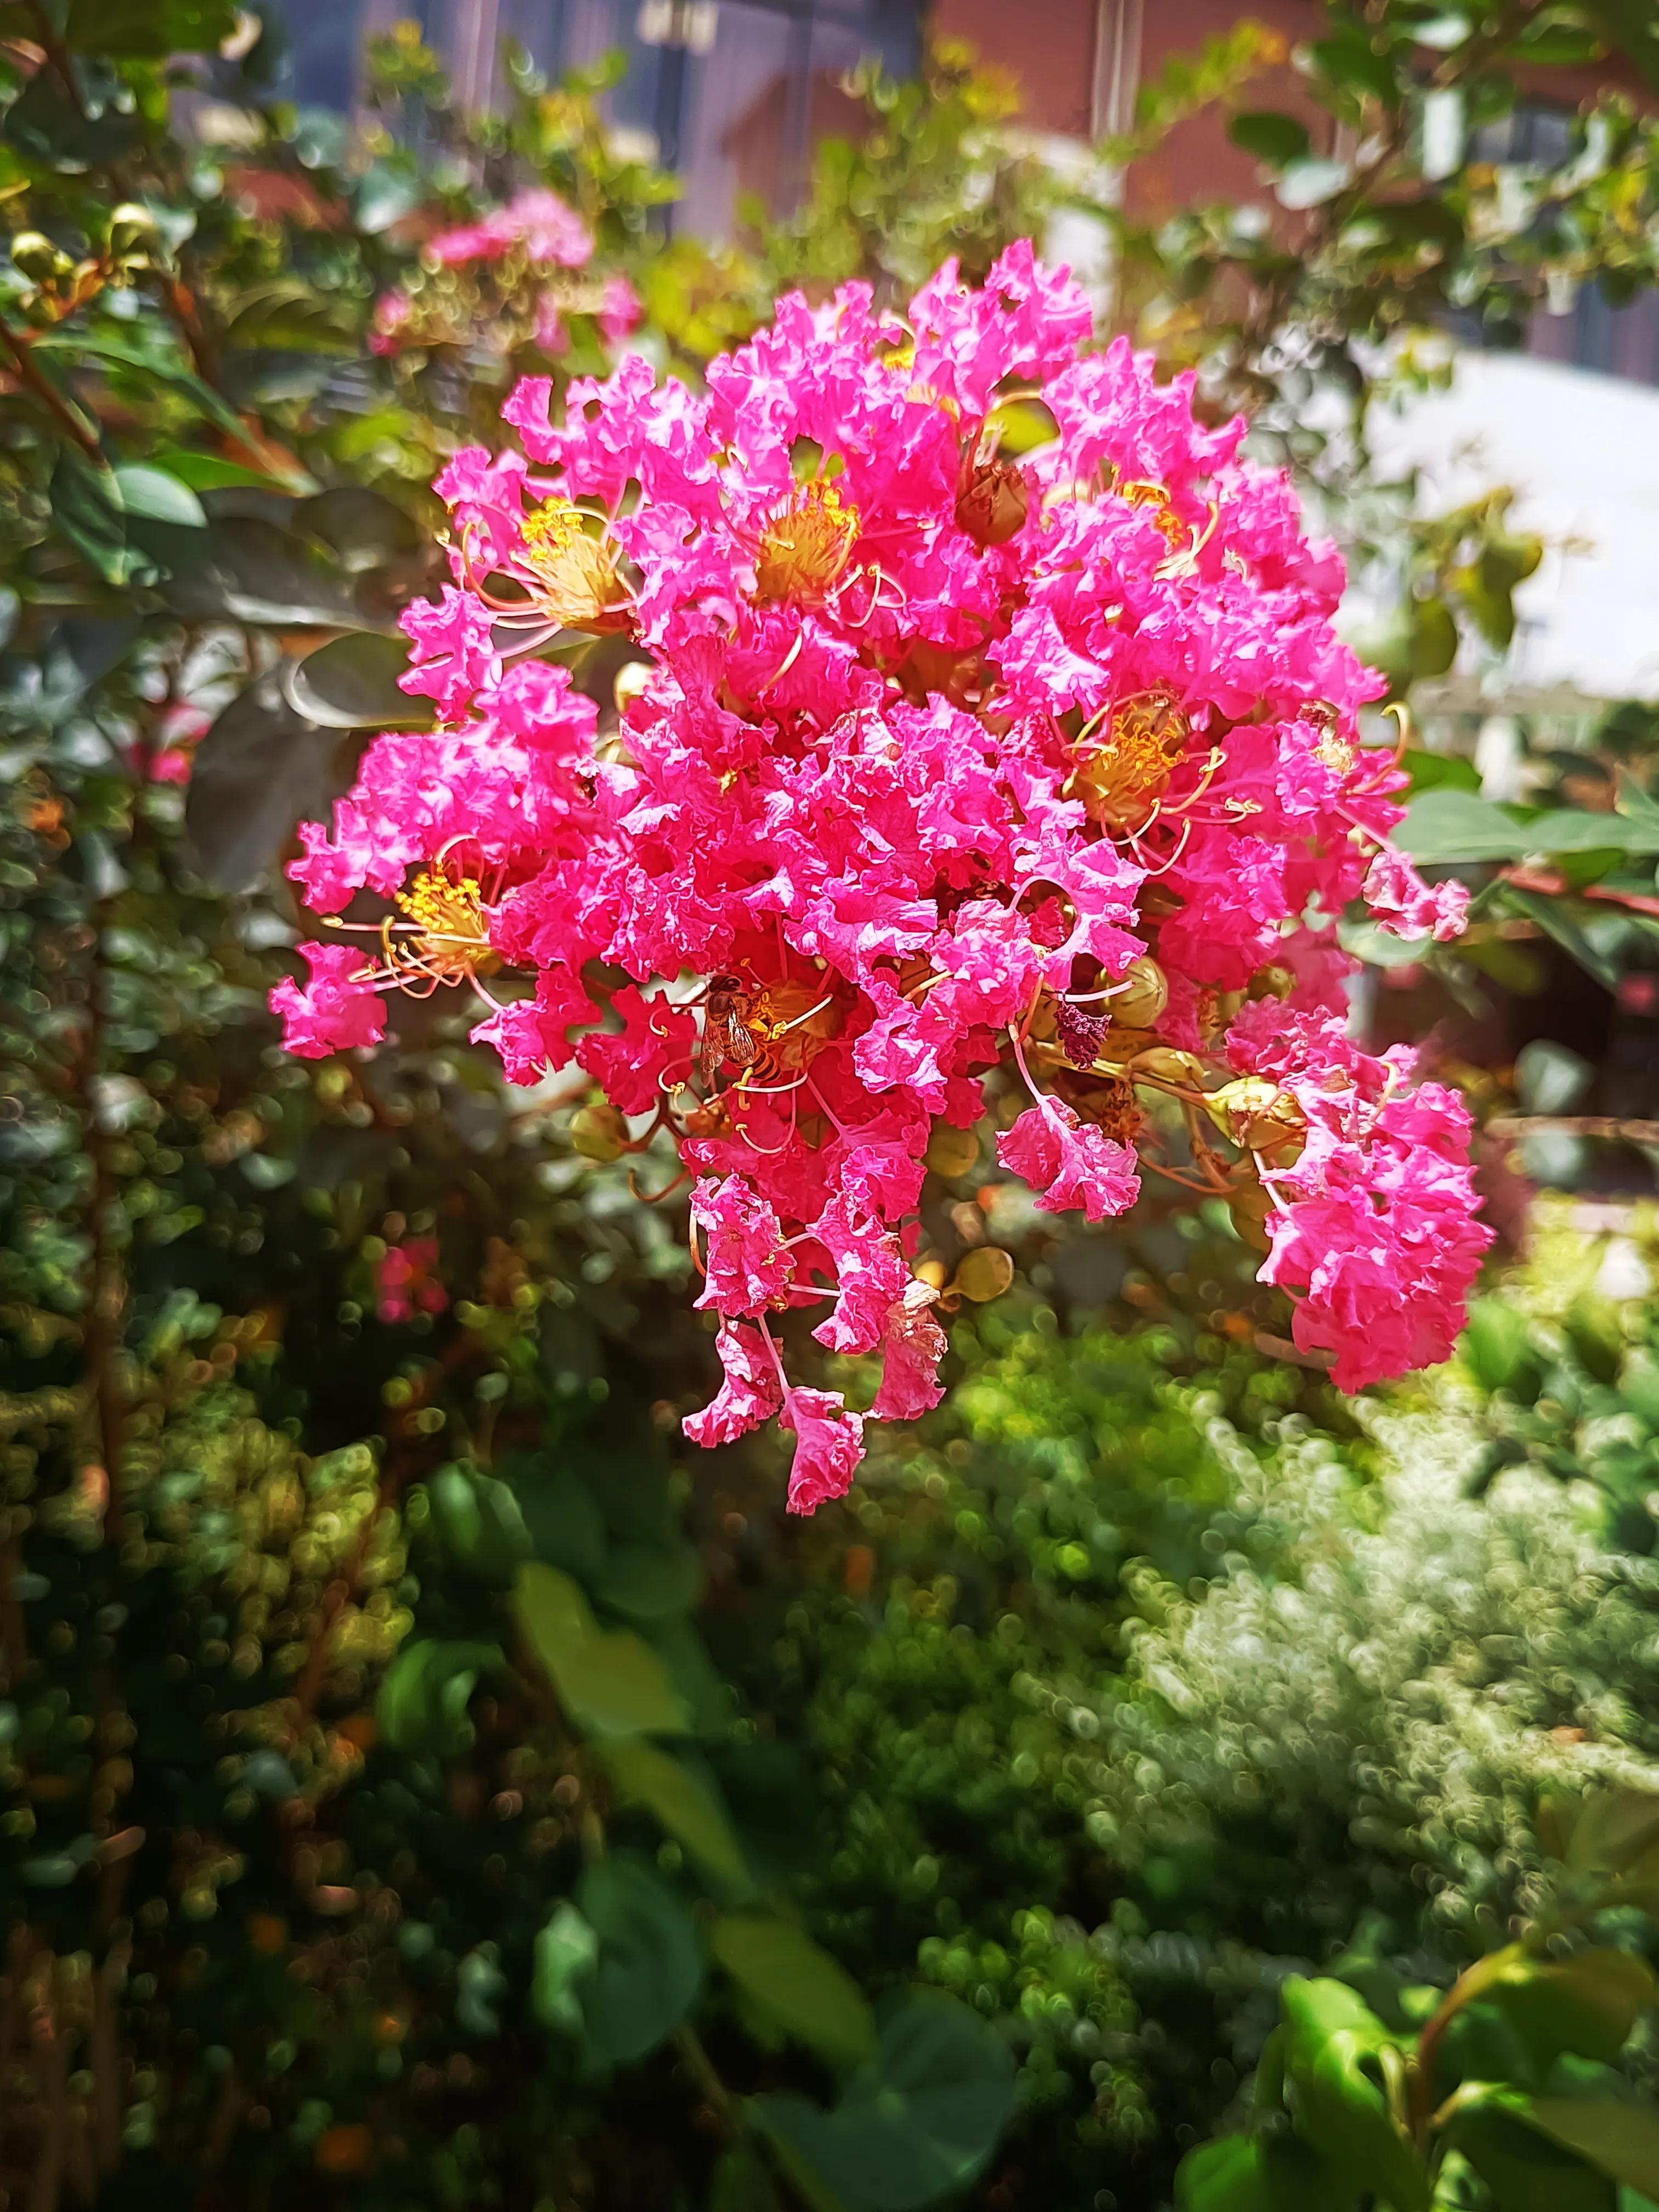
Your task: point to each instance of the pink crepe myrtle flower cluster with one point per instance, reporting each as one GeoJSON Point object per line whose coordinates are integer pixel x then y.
{"type": "Point", "coordinates": [509, 279]}
{"type": "Point", "coordinates": [947, 786]}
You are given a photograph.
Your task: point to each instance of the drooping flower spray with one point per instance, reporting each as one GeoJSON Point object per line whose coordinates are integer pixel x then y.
{"type": "Point", "coordinates": [942, 762]}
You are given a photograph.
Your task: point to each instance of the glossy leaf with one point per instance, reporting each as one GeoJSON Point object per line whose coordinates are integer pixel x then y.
{"type": "Point", "coordinates": [351, 684]}
{"type": "Point", "coordinates": [1262, 2173]}
{"type": "Point", "coordinates": [155, 495]}
{"type": "Point", "coordinates": [1333, 2045]}
{"type": "Point", "coordinates": [258, 770]}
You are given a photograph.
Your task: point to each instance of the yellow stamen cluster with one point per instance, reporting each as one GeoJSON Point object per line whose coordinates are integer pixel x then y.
{"type": "Point", "coordinates": [805, 550]}
{"type": "Point", "coordinates": [1122, 781]}
{"type": "Point", "coordinates": [1139, 493]}
{"type": "Point", "coordinates": [574, 572]}
{"type": "Point", "coordinates": [788, 1022]}
{"type": "Point", "coordinates": [450, 941]}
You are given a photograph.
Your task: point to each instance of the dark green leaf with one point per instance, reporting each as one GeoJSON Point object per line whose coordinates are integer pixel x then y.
{"type": "Point", "coordinates": [649, 1967]}
{"type": "Point", "coordinates": [148, 29]}
{"type": "Point", "coordinates": [1632, 28]}
{"type": "Point", "coordinates": [45, 124]}
{"type": "Point", "coordinates": [918, 2119]}
{"type": "Point", "coordinates": [85, 507]}
{"type": "Point", "coordinates": [351, 684]}
{"type": "Point", "coordinates": [364, 529]}
{"type": "Point", "coordinates": [1271, 136]}
{"type": "Point", "coordinates": [1524, 2173]}
{"type": "Point", "coordinates": [252, 571]}
{"type": "Point", "coordinates": [1496, 1343]}
{"type": "Point", "coordinates": [258, 770]}
{"type": "Point", "coordinates": [477, 1522]}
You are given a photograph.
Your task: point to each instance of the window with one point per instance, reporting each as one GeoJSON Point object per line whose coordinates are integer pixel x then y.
{"type": "Point", "coordinates": [732, 94]}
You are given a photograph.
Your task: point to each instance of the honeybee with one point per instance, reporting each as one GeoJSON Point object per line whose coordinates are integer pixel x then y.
{"type": "Point", "coordinates": [726, 1035]}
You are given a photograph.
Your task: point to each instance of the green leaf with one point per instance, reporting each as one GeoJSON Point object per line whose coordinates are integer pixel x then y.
{"type": "Point", "coordinates": [478, 1521]}
{"type": "Point", "coordinates": [1524, 2173]}
{"type": "Point", "coordinates": [1333, 2043]}
{"type": "Point", "coordinates": [612, 1684]}
{"type": "Point", "coordinates": [1272, 137]}
{"type": "Point", "coordinates": [648, 1581]}
{"type": "Point", "coordinates": [158, 368]}
{"type": "Point", "coordinates": [685, 1806]}
{"type": "Point", "coordinates": [258, 770]}
{"type": "Point", "coordinates": [86, 508]}
{"type": "Point", "coordinates": [253, 571]}
{"type": "Point", "coordinates": [919, 2117]}
{"type": "Point", "coordinates": [364, 528]}
{"type": "Point", "coordinates": [1496, 1343]}
{"type": "Point", "coordinates": [1262, 2174]}
{"type": "Point", "coordinates": [1446, 825]}
{"type": "Point", "coordinates": [422, 1706]}
{"type": "Point", "coordinates": [1552, 918]}
{"type": "Point", "coordinates": [566, 1947]}
{"type": "Point", "coordinates": [796, 1984]}
{"type": "Point", "coordinates": [351, 684]}
{"type": "Point", "coordinates": [148, 29]}
{"type": "Point", "coordinates": [1551, 1077]}
{"type": "Point", "coordinates": [741, 2182]}
{"type": "Point", "coordinates": [211, 471]}
{"type": "Point", "coordinates": [1630, 25]}
{"type": "Point", "coordinates": [1587, 2005]}
{"type": "Point", "coordinates": [649, 1969]}
{"type": "Point", "coordinates": [1440, 771]}
{"type": "Point", "coordinates": [1621, 2140]}
{"type": "Point", "coordinates": [45, 125]}
{"type": "Point", "coordinates": [155, 495]}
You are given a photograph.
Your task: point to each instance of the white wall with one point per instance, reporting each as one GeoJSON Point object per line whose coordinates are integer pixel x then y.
{"type": "Point", "coordinates": [1582, 453]}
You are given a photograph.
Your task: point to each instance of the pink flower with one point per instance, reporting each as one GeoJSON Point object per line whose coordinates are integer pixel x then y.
{"type": "Point", "coordinates": [1405, 906]}
{"type": "Point", "coordinates": [391, 313]}
{"type": "Point", "coordinates": [747, 1263]}
{"type": "Point", "coordinates": [549, 230]}
{"type": "Point", "coordinates": [751, 1393]}
{"type": "Point", "coordinates": [655, 1041]}
{"type": "Point", "coordinates": [406, 1280]}
{"type": "Point", "coordinates": [531, 1034]}
{"type": "Point", "coordinates": [829, 1446]}
{"type": "Point", "coordinates": [332, 1012]}
{"type": "Point", "coordinates": [1071, 1163]}
{"type": "Point", "coordinates": [913, 1346]}
{"type": "Point", "coordinates": [620, 310]}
